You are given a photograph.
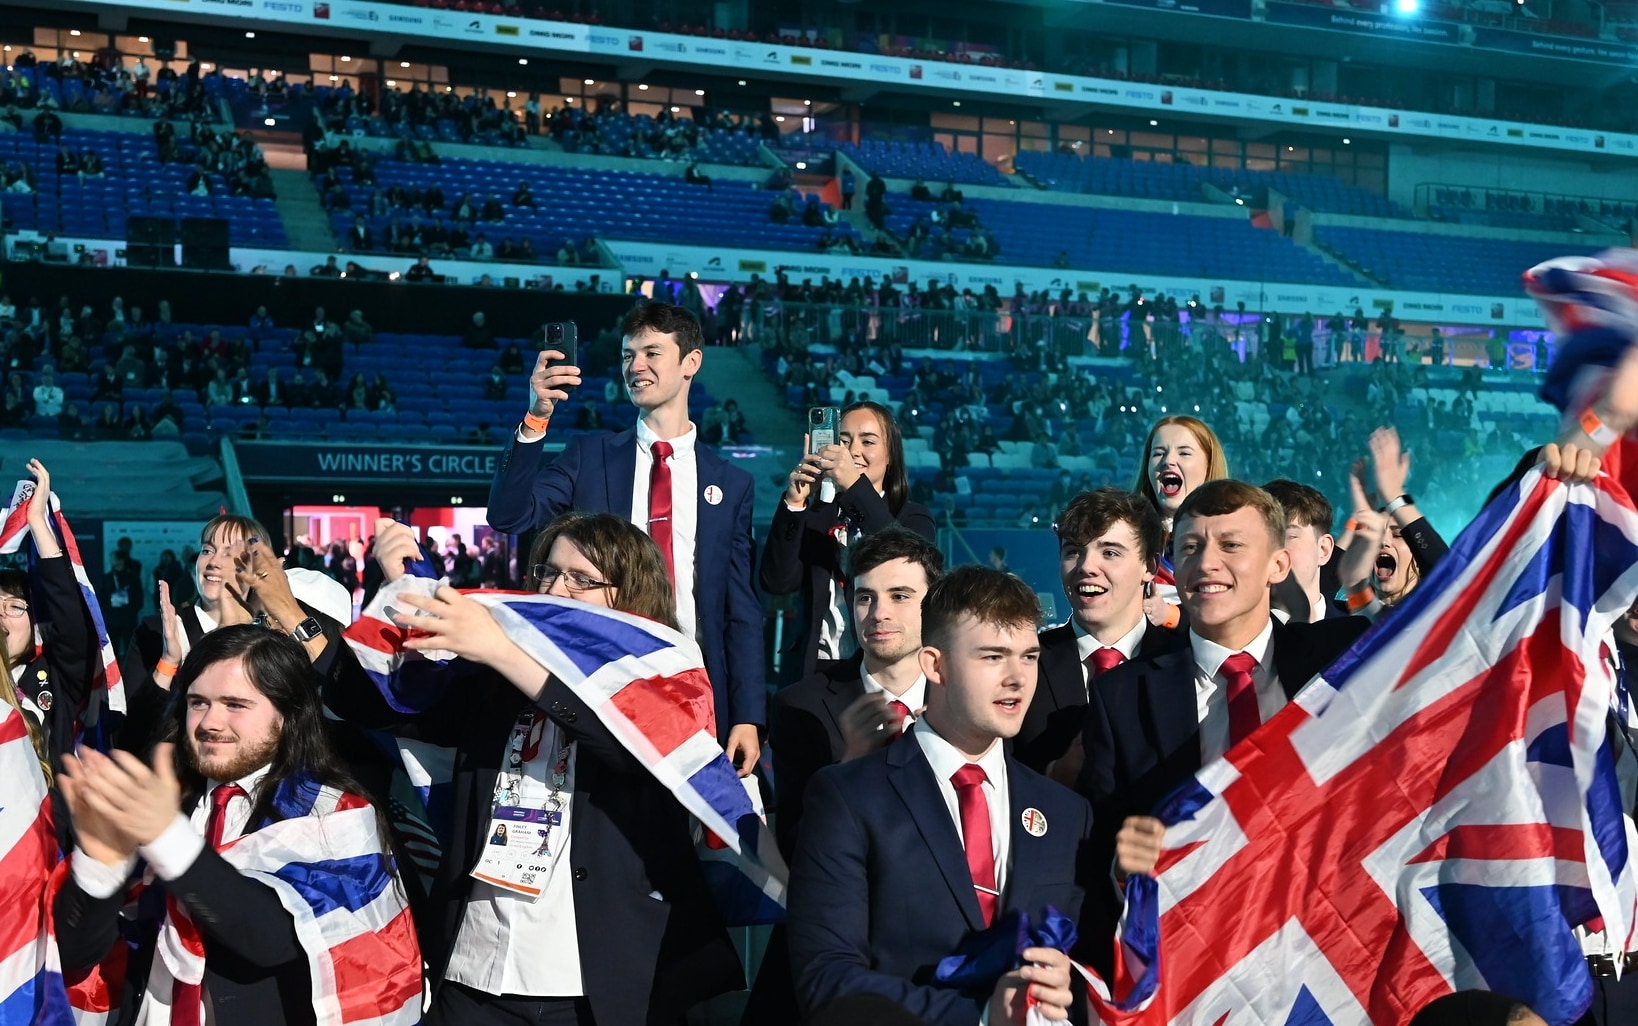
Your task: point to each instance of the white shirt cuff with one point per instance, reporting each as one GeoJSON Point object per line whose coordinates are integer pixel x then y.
{"type": "Point", "coordinates": [174, 852]}
{"type": "Point", "coordinates": [98, 879]}
{"type": "Point", "coordinates": [518, 434]}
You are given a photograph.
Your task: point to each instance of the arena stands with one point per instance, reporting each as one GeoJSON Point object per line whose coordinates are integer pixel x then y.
{"type": "Point", "coordinates": [132, 182]}
{"type": "Point", "coordinates": [577, 203]}
{"type": "Point", "coordinates": [1440, 263]}
{"type": "Point", "coordinates": [929, 161]}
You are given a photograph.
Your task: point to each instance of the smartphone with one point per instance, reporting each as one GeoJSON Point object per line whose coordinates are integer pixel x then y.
{"type": "Point", "coordinates": [823, 423]}
{"type": "Point", "coordinates": [564, 337]}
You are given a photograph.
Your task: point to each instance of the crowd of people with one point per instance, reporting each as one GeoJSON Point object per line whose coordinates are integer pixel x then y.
{"type": "Point", "coordinates": [109, 84]}
{"type": "Point", "coordinates": [562, 882]}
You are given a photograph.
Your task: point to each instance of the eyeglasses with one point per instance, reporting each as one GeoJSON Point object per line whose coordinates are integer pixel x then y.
{"type": "Point", "coordinates": [547, 575]}
{"type": "Point", "coordinates": [14, 608]}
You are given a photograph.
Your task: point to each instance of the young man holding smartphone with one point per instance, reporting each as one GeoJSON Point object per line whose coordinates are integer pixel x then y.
{"type": "Point", "coordinates": [688, 499]}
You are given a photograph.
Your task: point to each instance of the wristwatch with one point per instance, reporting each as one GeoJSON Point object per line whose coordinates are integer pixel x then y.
{"type": "Point", "coordinates": [307, 630]}
{"type": "Point", "coordinates": [1403, 500]}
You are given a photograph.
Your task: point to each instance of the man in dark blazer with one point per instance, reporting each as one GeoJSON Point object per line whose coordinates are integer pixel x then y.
{"type": "Point", "coordinates": [710, 523]}
{"type": "Point", "coordinates": [1108, 549]}
{"type": "Point", "coordinates": [1152, 723]}
{"type": "Point", "coordinates": [907, 852]}
{"type": "Point", "coordinates": [251, 729]}
{"type": "Point", "coordinates": [857, 705]}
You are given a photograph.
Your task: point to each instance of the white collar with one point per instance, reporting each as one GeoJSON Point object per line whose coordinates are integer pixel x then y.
{"type": "Point", "coordinates": [945, 760]}
{"type": "Point", "coordinates": [680, 446]}
{"type": "Point", "coordinates": [1209, 656]}
{"type": "Point", "coordinates": [1127, 644]}
{"type": "Point", "coordinates": [249, 782]}
{"type": "Point", "coordinates": [915, 696]}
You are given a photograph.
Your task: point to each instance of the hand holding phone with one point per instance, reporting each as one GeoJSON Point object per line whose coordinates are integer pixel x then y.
{"type": "Point", "coordinates": [823, 423]}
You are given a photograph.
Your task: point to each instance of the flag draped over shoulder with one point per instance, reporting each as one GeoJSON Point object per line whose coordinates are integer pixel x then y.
{"type": "Point", "coordinates": [31, 983]}
{"type": "Point", "coordinates": [1433, 813]}
{"type": "Point", "coordinates": [645, 682]}
{"type": "Point", "coordinates": [328, 868]}
{"type": "Point", "coordinates": [14, 533]}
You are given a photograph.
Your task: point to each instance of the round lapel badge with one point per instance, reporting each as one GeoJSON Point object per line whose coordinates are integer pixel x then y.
{"type": "Point", "coordinates": [44, 700]}
{"type": "Point", "coordinates": [1034, 822]}
{"type": "Point", "coordinates": [713, 495]}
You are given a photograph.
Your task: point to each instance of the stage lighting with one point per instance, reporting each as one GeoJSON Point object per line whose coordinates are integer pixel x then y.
{"type": "Point", "coordinates": [1407, 6]}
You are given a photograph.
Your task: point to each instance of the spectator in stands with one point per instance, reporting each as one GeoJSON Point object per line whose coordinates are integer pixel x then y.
{"type": "Point", "coordinates": [71, 425]}
{"type": "Point", "coordinates": [511, 359]}
{"type": "Point", "coordinates": [481, 249]}
{"type": "Point", "coordinates": [359, 238]}
{"type": "Point", "coordinates": [357, 331]}
{"type": "Point", "coordinates": [167, 409]}
{"type": "Point", "coordinates": [805, 544]}
{"type": "Point", "coordinates": [522, 197]}
{"type": "Point", "coordinates": [48, 127]}
{"type": "Point", "coordinates": [108, 426]}
{"type": "Point", "coordinates": [478, 335]}
{"type": "Point", "coordinates": [492, 209]}
{"type": "Point", "coordinates": [138, 428]}
{"type": "Point", "coordinates": [494, 386]}
{"type": "Point", "coordinates": [421, 270]}
{"type": "Point", "coordinates": [328, 269]}
{"type": "Point", "coordinates": [48, 395]}
{"type": "Point", "coordinates": [18, 405]}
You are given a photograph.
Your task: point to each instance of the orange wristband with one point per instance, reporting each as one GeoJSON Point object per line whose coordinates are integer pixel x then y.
{"type": "Point", "coordinates": [1358, 600]}
{"type": "Point", "coordinates": [534, 423]}
{"type": "Point", "coordinates": [167, 668]}
{"type": "Point", "coordinates": [1173, 617]}
{"type": "Point", "coordinates": [1596, 429]}
{"type": "Point", "coordinates": [1352, 525]}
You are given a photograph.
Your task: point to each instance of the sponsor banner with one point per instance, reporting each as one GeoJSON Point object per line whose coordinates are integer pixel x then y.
{"type": "Point", "coordinates": [354, 463]}
{"type": "Point", "coordinates": [1220, 8]}
{"type": "Point", "coordinates": [1555, 46]}
{"type": "Point", "coordinates": [1363, 22]}
{"type": "Point", "coordinates": [647, 260]}
{"type": "Point", "coordinates": [836, 68]}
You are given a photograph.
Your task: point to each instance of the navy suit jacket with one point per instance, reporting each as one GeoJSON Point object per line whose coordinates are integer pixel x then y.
{"type": "Point", "coordinates": [594, 473]}
{"type": "Point", "coordinates": [880, 890]}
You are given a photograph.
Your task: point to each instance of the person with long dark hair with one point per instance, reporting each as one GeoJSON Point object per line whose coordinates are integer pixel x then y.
{"type": "Point", "coordinates": [809, 533]}
{"type": "Point", "coordinates": [215, 816]}
{"type": "Point", "coordinates": [619, 928]}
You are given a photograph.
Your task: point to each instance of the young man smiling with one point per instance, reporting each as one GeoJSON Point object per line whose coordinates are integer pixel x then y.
{"type": "Point", "coordinates": [908, 851]}
{"type": "Point", "coordinates": [1152, 723]}
{"type": "Point", "coordinates": [688, 499]}
{"type": "Point", "coordinates": [1108, 548]}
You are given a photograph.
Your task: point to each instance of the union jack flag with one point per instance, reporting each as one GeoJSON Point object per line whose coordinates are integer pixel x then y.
{"type": "Point", "coordinates": [1433, 813]}
{"type": "Point", "coordinates": [31, 983]}
{"type": "Point", "coordinates": [647, 685]}
{"type": "Point", "coordinates": [13, 533]}
{"type": "Point", "coordinates": [327, 866]}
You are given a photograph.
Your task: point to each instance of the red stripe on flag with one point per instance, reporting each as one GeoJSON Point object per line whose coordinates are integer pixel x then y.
{"type": "Point", "coordinates": [376, 635]}
{"type": "Point", "coordinates": [24, 872]}
{"type": "Point", "coordinates": [669, 710]}
{"type": "Point", "coordinates": [1489, 842]}
{"type": "Point", "coordinates": [378, 972]}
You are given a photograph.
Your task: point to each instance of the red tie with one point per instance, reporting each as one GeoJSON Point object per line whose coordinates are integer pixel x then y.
{"type": "Point", "coordinates": [1244, 716]}
{"type": "Point", "coordinates": [659, 504]}
{"type": "Point", "coordinates": [902, 711]}
{"type": "Point", "coordinates": [975, 836]}
{"type": "Point", "coordinates": [185, 997]}
{"type": "Point", "coordinates": [1102, 660]}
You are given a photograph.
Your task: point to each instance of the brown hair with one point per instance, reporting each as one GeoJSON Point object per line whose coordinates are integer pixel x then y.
{"type": "Point", "coordinates": [1216, 460]}
{"type": "Point", "coordinates": [664, 319]}
{"type": "Point", "coordinates": [245, 527]}
{"type": "Point", "coordinates": [1219, 498]}
{"type": "Point", "coordinates": [987, 595]}
{"type": "Point", "coordinates": [892, 543]}
{"type": "Point", "coordinates": [624, 555]}
{"type": "Point", "coordinates": [896, 482]}
{"type": "Point", "coordinates": [1089, 514]}
{"type": "Point", "coordinates": [1304, 506]}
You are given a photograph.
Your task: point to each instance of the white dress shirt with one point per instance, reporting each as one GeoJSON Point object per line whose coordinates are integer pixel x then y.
{"type": "Point", "coordinates": [685, 513]}
{"type": "Point", "coordinates": [1211, 691]}
{"type": "Point", "coordinates": [915, 696]}
{"type": "Point", "coordinates": [508, 944]}
{"type": "Point", "coordinates": [945, 760]}
{"type": "Point", "coordinates": [1085, 644]}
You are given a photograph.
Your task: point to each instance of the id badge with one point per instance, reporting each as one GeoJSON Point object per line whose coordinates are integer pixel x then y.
{"type": "Point", "coordinates": [517, 851]}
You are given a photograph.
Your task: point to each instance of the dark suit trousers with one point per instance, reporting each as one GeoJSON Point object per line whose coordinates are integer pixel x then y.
{"type": "Point", "coordinates": [460, 1005]}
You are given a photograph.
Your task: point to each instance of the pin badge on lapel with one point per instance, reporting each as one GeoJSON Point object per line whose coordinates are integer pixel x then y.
{"type": "Point", "coordinates": [1034, 822]}
{"type": "Point", "coordinates": [713, 495]}
{"type": "Point", "coordinates": [44, 701]}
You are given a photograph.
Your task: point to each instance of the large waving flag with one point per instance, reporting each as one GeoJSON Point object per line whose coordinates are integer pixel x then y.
{"type": "Point", "coordinates": [647, 685]}
{"type": "Point", "coordinates": [14, 532]}
{"type": "Point", "coordinates": [31, 983]}
{"type": "Point", "coordinates": [1435, 812]}
{"type": "Point", "coordinates": [327, 866]}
